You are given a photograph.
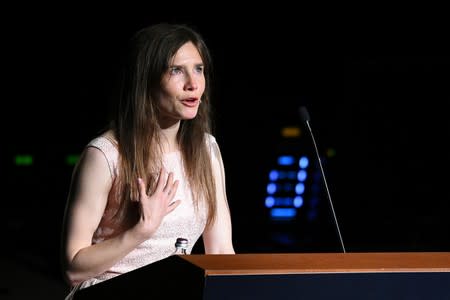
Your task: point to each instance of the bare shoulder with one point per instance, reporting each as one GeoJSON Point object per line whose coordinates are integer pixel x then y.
{"type": "Point", "coordinates": [210, 139]}
{"type": "Point", "coordinates": [93, 165]}
{"type": "Point", "coordinates": [106, 145]}
{"type": "Point", "coordinates": [93, 156]}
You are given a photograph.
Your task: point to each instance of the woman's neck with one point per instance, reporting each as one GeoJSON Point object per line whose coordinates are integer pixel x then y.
{"type": "Point", "coordinates": [169, 138]}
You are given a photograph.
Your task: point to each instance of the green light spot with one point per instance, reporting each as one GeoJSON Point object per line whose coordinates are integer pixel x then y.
{"type": "Point", "coordinates": [72, 159]}
{"type": "Point", "coordinates": [23, 160]}
{"type": "Point", "coordinates": [331, 152]}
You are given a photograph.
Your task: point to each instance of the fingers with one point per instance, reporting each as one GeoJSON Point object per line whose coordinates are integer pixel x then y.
{"type": "Point", "coordinates": [165, 180]}
{"type": "Point", "coordinates": [166, 184]}
{"type": "Point", "coordinates": [169, 184]}
{"type": "Point", "coordinates": [172, 188]}
{"type": "Point", "coordinates": [173, 205]}
{"type": "Point", "coordinates": [161, 179]}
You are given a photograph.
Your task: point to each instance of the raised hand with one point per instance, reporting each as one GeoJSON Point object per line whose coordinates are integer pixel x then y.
{"type": "Point", "coordinates": [154, 207]}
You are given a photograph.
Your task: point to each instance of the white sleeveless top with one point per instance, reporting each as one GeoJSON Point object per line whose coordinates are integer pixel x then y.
{"type": "Point", "coordinates": [185, 221]}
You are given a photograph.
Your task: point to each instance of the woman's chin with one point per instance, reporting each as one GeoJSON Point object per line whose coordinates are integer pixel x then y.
{"type": "Point", "coordinates": [189, 115]}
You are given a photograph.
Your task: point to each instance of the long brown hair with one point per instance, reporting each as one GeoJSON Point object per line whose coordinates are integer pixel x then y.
{"type": "Point", "coordinates": [136, 127]}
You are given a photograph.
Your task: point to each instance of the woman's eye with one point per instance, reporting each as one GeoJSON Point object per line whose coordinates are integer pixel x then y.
{"type": "Point", "coordinates": [174, 70]}
{"type": "Point", "coordinates": [199, 69]}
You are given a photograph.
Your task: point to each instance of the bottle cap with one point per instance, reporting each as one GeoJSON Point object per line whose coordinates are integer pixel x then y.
{"type": "Point", "coordinates": [181, 242]}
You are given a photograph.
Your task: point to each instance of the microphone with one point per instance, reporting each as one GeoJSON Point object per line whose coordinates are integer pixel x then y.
{"type": "Point", "coordinates": [304, 117]}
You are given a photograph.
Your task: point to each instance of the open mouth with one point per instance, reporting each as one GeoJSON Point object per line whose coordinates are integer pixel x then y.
{"type": "Point", "coordinates": [191, 102]}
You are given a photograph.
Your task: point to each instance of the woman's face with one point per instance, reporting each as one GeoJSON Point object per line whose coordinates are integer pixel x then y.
{"type": "Point", "coordinates": [182, 86]}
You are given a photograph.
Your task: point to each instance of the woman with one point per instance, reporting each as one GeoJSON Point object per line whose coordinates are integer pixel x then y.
{"type": "Point", "coordinates": [156, 174]}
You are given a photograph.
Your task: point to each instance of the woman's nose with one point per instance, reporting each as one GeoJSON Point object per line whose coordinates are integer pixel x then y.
{"type": "Point", "coordinates": [191, 82]}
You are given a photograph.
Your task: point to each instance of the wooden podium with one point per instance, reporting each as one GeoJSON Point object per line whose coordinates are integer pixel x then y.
{"type": "Point", "coordinates": [406, 275]}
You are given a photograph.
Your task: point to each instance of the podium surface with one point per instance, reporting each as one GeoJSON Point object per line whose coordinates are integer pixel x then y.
{"type": "Point", "coordinates": [290, 263]}
{"type": "Point", "coordinates": [404, 275]}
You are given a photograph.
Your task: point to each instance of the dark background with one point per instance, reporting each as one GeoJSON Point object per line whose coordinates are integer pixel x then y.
{"type": "Point", "coordinates": [376, 87]}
